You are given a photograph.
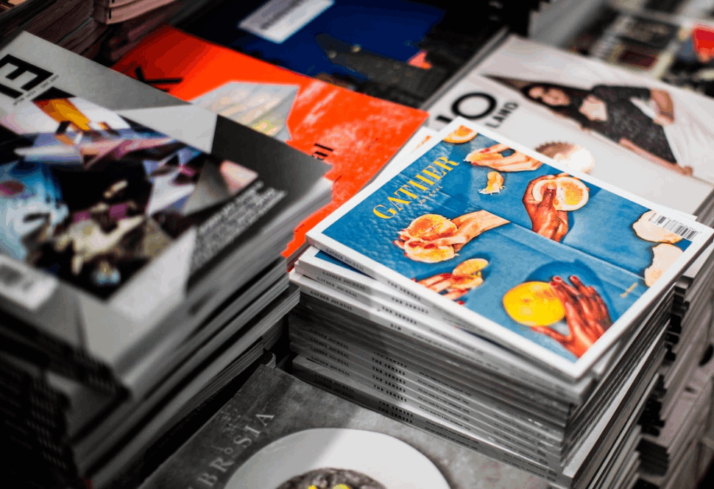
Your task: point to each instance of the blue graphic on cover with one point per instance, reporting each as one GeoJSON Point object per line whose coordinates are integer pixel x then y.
{"type": "Point", "coordinates": [390, 28]}
{"type": "Point", "coordinates": [542, 253]}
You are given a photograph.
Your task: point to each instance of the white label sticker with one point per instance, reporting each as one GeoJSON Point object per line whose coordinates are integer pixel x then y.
{"type": "Point", "coordinates": [23, 285]}
{"type": "Point", "coordinates": [277, 20]}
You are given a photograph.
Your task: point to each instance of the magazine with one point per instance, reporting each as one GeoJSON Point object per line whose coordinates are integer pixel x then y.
{"type": "Point", "coordinates": [389, 325]}
{"type": "Point", "coordinates": [353, 133]}
{"type": "Point", "coordinates": [260, 439]}
{"type": "Point", "coordinates": [663, 125]}
{"type": "Point", "coordinates": [557, 138]}
{"type": "Point", "coordinates": [512, 391]}
{"type": "Point", "coordinates": [396, 50]}
{"type": "Point", "coordinates": [395, 382]}
{"type": "Point", "coordinates": [417, 397]}
{"type": "Point", "coordinates": [549, 263]}
{"type": "Point", "coordinates": [335, 381]}
{"type": "Point", "coordinates": [498, 407]}
{"type": "Point", "coordinates": [328, 271]}
{"type": "Point", "coordinates": [113, 218]}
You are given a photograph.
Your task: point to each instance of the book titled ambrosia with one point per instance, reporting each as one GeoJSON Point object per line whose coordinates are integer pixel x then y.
{"type": "Point", "coordinates": [282, 433]}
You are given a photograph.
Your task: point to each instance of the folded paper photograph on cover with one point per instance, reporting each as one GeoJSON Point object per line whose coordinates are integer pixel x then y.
{"type": "Point", "coordinates": [92, 197]}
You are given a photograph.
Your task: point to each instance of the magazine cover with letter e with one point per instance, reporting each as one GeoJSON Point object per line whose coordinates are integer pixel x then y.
{"type": "Point", "coordinates": [121, 206]}
{"type": "Point", "coordinates": [549, 263]}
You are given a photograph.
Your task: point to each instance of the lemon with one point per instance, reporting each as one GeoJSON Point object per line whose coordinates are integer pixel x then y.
{"type": "Point", "coordinates": [533, 304]}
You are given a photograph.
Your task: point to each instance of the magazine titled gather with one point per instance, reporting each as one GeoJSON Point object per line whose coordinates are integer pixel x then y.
{"type": "Point", "coordinates": [553, 264]}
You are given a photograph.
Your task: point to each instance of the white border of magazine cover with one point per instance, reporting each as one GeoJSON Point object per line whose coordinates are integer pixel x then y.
{"type": "Point", "coordinates": [488, 328]}
{"type": "Point", "coordinates": [420, 137]}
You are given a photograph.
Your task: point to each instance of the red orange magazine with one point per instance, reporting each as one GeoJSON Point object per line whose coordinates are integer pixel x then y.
{"type": "Point", "coordinates": [356, 134]}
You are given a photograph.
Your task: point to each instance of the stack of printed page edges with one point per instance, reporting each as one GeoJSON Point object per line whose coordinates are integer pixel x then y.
{"type": "Point", "coordinates": [674, 450]}
{"type": "Point", "coordinates": [141, 266]}
{"type": "Point", "coordinates": [669, 165]}
{"type": "Point", "coordinates": [491, 295]}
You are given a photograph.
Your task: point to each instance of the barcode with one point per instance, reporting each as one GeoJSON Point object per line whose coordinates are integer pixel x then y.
{"type": "Point", "coordinates": [674, 226]}
{"type": "Point", "coordinates": [9, 277]}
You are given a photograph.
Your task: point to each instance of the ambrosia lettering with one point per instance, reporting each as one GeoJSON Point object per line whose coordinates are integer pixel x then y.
{"type": "Point", "coordinates": [410, 191]}
{"type": "Point", "coordinates": [224, 464]}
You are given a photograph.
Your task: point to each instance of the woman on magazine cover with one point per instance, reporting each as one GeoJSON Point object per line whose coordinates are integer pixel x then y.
{"type": "Point", "coordinates": [615, 112]}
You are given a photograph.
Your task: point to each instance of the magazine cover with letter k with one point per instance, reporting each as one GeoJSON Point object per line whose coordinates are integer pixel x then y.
{"type": "Point", "coordinates": [555, 265]}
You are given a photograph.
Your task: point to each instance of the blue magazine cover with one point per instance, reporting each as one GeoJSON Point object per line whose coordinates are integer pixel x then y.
{"type": "Point", "coordinates": [398, 50]}
{"type": "Point", "coordinates": [551, 264]}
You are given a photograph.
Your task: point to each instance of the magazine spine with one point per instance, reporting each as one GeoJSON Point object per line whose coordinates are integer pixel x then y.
{"type": "Point", "coordinates": [458, 370]}
{"type": "Point", "coordinates": [502, 407]}
{"type": "Point", "coordinates": [369, 291]}
{"type": "Point", "coordinates": [581, 427]}
{"type": "Point", "coordinates": [399, 391]}
{"type": "Point", "coordinates": [520, 441]}
{"type": "Point", "coordinates": [51, 354]}
{"type": "Point", "coordinates": [398, 312]}
{"type": "Point", "coordinates": [338, 384]}
{"type": "Point", "coordinates": [464, 336]}
{"type": "Point", "coordinates": [449, 339]}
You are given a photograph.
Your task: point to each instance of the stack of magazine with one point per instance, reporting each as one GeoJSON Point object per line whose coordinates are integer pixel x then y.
{"type": "Point", "coordinates": [48, 19]}
{"type": "Point", "coordinates": [115, 11]}
{"type": "Point", "coordinates": [632, 131]}
{"type": "Point", "coordinates": [140, 268]}
{"type": "Point", "coordinates": [668, 458]}
{"type": "Point", "coordinates": [486, 293]}
{"type": "Point", "coordinates": [354, 133]}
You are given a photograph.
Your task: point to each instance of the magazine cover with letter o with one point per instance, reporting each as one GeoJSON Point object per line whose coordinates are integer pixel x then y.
{"type": "Point", "coordinates": [549, 263]}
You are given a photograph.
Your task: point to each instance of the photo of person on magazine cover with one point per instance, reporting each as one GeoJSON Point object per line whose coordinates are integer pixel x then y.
{"type": "Point", "coordinates": [563, 259]}
{"type": "Point", "coordinates": [631, 116]}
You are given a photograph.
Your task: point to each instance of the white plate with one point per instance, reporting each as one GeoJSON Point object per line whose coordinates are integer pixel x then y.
{"type": "Point", "coordinates": [387, 460]}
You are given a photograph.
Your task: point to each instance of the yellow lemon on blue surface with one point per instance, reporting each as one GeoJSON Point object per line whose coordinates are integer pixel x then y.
{"type": "Point", "coordinates": [533, 304]}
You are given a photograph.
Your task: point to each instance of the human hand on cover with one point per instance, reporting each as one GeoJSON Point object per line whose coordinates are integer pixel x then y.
{"type": "Point", "coordinates": [432, 238]}
{"type": "Point", "coordinates": [491, 157]}
{"type": "Point", "coordinates": [546, 220]}
{"type": "Point", "coordinates": [465, 277]}
{"type": "Point", "coordinates": [470, 226]}
{"type": "Point", "coordinates": [664, 106]}
{"type": "Point", "coordinates": [593, 108]}
{"type": "Point", "coordinates": [585, 313]}
{"type": "Point", "coordinates": [443, 282]}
